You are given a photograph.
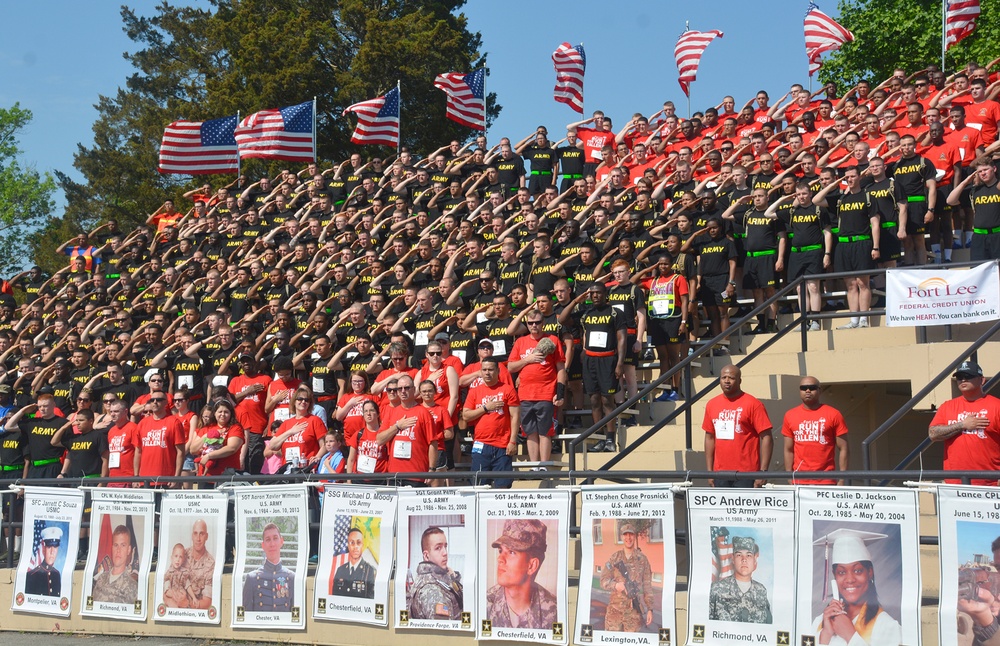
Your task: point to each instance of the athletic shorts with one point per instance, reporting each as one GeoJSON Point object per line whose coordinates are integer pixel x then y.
{"type": "Point", "coordinates": [889, 246]}
{"type": "Point", "coordinates": [758, 272]}
{"type": "Point", "coordinates": [631, 357]}
{"type": "Point", "coordinates": [985, 246]}
{"type": "Point", "coordinates": [536, 417]}
{"type": "Point", "coordinates": [805, 263]}
{"type": "Point", "coordinates": [575, 368]}
{"type": "Point", "coordinates": [915, 212]}
{"type": "Point", "coordinates": [599, 375]}
{"type": "Point", "coordinates": [664, 331]}
{"type": "Point", "coordinates": [710, 290]}
{"type": "Point", "coordinates": [854, 256]}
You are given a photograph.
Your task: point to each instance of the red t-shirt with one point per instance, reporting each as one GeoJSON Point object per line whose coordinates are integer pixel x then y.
{"type": "Point", "coordinates": [984, 117]}
{"type": "Point", "coordinates": [441, 422]}
{"type": "Point", "coordinates": [217, 467]}
{"type": "Point", "coordinates": [593, 142]}
{"type": "Point", "coordinates": [736, 425]}
{"type": "Point", "coordinates": [122, 441]}
{"type": "Point", "coordinates": [159, 439]}
{"type": "Point", "coordinates": [505, 377]}
{"type": "Point", "coordinates": [371, 458]}
{"type": "Point", "coordinates": [408, 449]}
{"type": "Point", "coordinates": [250, 411]}
{"type": "Point", "coordinates": [815, 433]}
{"type": "Point", "coordinates": [355, 420]}
{"type": "Point", "coordinates": [967, 140]}
{"type": "Point", "coordinates": [944, 158]}
{"type": "Point", "coordinates": [304, 444]}
{"type": "Point", "coordinates": [537, 381]}
{"type": "Point", "coordinates": [493, 428]}
{"type": "Point", "coordinates": [440, 384]}
{"type": "Point", "coordinates": [283, 410]}
{"type": "Point", "coordinates": [387, 373]}
{"type": "Point", "coordinates": [977, 450]}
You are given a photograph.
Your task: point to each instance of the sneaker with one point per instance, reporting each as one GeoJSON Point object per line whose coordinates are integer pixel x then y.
{"type": "Point", "coordinates": [629, 420]}
{"type": "Point", "coordinates": [609, 446]}
{"type": "Point", "coordinates": [956, 245]}
{"type": "Point", "coordinates": [849, 326]}
{"type": "Point", "coordinates": [664, 396]}
{"type": "Point", "coordinates": [863, 322]}
{"type": "Point", "coordinates": [673, 396]}
{"type": "Point", "coordinates": [772, 326]}
{"type": "Point", "coordinates": [814, 326]}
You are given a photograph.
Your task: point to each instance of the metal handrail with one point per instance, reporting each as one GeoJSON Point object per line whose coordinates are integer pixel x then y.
{"type": "Point", "coordinates": [684, 363]}
{"type": "Point", "coordinates": [866, 444]}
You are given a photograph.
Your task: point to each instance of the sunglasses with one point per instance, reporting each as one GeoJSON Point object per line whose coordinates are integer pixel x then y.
{"type": "Point", "coordinates": [301, 399]}
{"type": "Point", "coordinates": [532, 322]}
{"type": "Point", "coordinates": [157, 400]}
{"type": "Point", "coordinates": [434, 354]}
{"type": "Point", "coordinates": [392, 391]}
{"type": "Point", "coordinates": [808, 387]}
{"type": "Point", "coordinates": [180, 399]}
{"type": "Point", "coordinates": [107, 401]}
{"type": "Point", "coordinates": [82, 399]}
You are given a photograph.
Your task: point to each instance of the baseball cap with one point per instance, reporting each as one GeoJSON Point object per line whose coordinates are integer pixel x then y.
{"type": "Point", "coordinates": [442, 336]}
{"type": "Point", "coordinates": [245, 357]}
{"type": "Point", "coordinates": [485, 342]}
{"type": "Point", "coordinates": [969, 368]}
{"type": "Point", "coordinates": [628, 528]}
{"type": "Point", "coordinates": [523, 535]}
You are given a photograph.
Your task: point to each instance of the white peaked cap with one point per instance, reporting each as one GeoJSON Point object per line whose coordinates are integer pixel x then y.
{"type": "Point", "coordinates": [51, 534]}
{"type": "Point", "coordinates": [849, 545]}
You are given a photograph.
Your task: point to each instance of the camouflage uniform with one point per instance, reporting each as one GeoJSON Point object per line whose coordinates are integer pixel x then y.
{"type": "Point", "coordinates": [124, 589]}
{"type": "Point", "coordinates": [44, 580]}
{"type": "Point", "coordinates": [436, 593]}
{"type": "Point", "coordinates": [201, 572]}
{"type": "Point", "coordinates": [622, 615]}
{"type": "Point", "coordinates": [727, 603]}
{"type": "Point", "coordinates": [269, 588]}
{"type": "Point", "coordinates": [541, 613]}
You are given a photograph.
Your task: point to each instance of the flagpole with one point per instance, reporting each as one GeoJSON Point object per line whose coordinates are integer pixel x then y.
{"type": "Point", "coordinates": [944, 31]}
{"type": "Point", "coordinates": [399, 131]}
{"type": "Point", "coordinates": [315, 156]}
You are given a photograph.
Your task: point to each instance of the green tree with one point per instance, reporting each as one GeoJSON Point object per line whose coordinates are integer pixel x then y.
{"type": "Point", "coordinates": [890, 34]}
{"type": "Point", "coordinates": [25, 195]}
{"type": "Point", "coordinates": [248, 55]}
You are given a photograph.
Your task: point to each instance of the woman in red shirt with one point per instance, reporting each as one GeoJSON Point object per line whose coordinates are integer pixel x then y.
{"type": "Point", "coordinates": [349, 411]}
{"type": "Point", "coordinates": [299, 439]}
{"type": "Point", "coordinates": [191, 423]}
{"type": "Point", "coordinates": [367, 456]}
{"type": "Point", "coordinates": [220, 444]}
{"type": "Point", "coordinates": [444, 378]}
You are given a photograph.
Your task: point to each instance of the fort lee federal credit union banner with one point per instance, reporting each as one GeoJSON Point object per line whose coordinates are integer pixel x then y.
{"type": "Point", "coordinates": [937, 296]}
{"type": "Point", "coordinates": [790, 566]}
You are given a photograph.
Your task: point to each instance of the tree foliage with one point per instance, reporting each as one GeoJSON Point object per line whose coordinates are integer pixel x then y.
{"type": "Point", "coordinates": [25, 195]}
{"type": "Point", "coordinates": [249, 55]}
{"type": "Point", "coordinates": [890, 34]}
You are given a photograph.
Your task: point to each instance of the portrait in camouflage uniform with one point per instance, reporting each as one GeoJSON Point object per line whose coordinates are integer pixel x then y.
{"type": "Point", "coordinates": [516, 599]}
{"type": "Point", "coordinates": [117, 579]}
{"type": "Point", "coordinates": [437, 591]}
{"type": "Point", "coordinates": [739, 597]}
{"type": "Point", "coordinates": [628, 578]}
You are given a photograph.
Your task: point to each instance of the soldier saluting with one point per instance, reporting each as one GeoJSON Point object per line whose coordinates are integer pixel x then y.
{"type": "Point", "coordinates": [629, 578]}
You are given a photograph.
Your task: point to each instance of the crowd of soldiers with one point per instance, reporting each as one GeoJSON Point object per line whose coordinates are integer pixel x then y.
{"type": "Point", "coordinates": [477, 293]}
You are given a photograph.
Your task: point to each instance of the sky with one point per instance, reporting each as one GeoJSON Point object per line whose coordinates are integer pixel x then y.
{"type": "Point", "coordinates": [64, 55]}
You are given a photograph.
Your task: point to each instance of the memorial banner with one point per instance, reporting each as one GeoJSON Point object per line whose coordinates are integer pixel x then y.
{"type": "Point", "coordinates": [436, 559]}
{"type": "Point", "coordinates": [355, 555]}
{"type": "Point", "coordinates": [121, 552]}
{"type": "Point", "coordinates": [523, 540]}
{"type": "Point", "coordinates": [935, 296]}
{"type": "Point", "coordinates": [858, 566]}
{"type": "Point", "coordinates": [742, 573]}
{"type": "Point", "coordinates": [629, 566]}
{"type": "Point", "coordinates": [191, 554]}
{"type": "Point", "coordinates": [43, 583]}
{"type": "Point", "coordinates": [968, 547]}
{"type": "Point", "coordinates": [272, 550]}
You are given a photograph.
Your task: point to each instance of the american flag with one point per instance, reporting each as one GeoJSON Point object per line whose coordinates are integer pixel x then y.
{"type": "Point", "coordinates": [378, 120]}
{"type": "Point", "coordinates": [959, 20]}
{"type": "Point", "coordinates": [286, 133]}
{"type": "Point", "coordinates": [570, 63]}
{"type": "Point", "coordinates": [341, 527]}
{"type": "Point", "coordinates": [199, 147]}
{"type": "Point", "coordinates": [466, 97]}
{"type": "Point", "coordinates": [687, 52]}
{"type": "Point", "coordinates": [36, 545]}
{"type": "Point", "coordinates": [823, 34]}
{"type": "Point", "coordinates": [722, 554]}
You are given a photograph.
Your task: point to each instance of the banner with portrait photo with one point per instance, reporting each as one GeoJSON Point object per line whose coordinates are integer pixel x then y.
{"type": "Point", "coordinates": [858, 566]}
{"type": "Point", "coordinates": [43, 583]}
{"type": "Point", "coordinates": [188, 583]}
{"type": "Point", "coordinates": [272, 550]}
{"type": "Point", "coordinates": [968, 546]}
{"type": "Point", "coordinates": [121, 552]}
{"type": "Point", "coordinates": [436, 559]}
{"type": "Point", "coordinates": [523, 537]}
{"type": "Point", "coordinates": [742, 570]}
{"type": "Point", "coordinates": [629, 566]}
{"type": "Point", "coordinates": [355, 554]}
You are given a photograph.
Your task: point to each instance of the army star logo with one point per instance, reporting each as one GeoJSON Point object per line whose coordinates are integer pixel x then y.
{"type": "Point", "coordinates": [664, 635]}
{"type": "Point", "coordinates": [783, 638]}
{"type": "Point", "coordinates": [699, 633]}
{"type": "Point", "coordinates": [808, 640]}
{"type": "Point", "coordinates": [557, 630]}
{"type": "Point", "coordinates": [404, 617]}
